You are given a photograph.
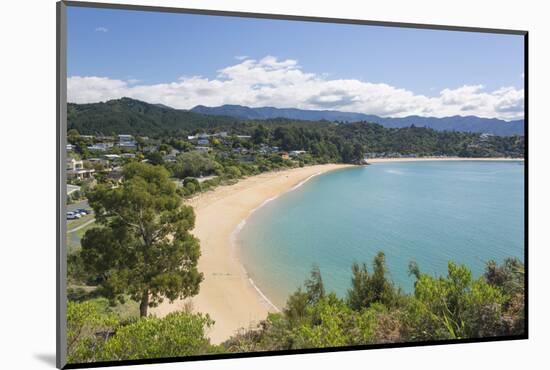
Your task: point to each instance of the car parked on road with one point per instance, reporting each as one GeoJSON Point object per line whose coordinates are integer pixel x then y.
{"type": "Point", "coordinates": [83, 211]}
{"type": "Point", "coordinates": [73, 215]}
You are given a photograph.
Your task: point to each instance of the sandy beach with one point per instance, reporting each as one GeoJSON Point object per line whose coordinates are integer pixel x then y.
{"type": "Point", "coordinates": [226, 293]}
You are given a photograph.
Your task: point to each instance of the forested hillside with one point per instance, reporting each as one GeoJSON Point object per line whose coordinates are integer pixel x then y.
{"type": "Point", "coordinates": [321, 138]}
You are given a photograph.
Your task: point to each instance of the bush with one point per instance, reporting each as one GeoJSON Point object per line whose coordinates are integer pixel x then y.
{"type": "Point", "coordinates": [87, 330]}
{"type": "Point", "coordinates": [193, 180]}
{"type": "Point", "coordinates": [96, 334]}
{"type": "Point", "coordinates": [177, 334]}
{"type": "Point", "coordinates": [232, 172]}
{"type": "Point", "coordinates": [454, 307]}
{"type": "Point", "coordinates": [191, 188]}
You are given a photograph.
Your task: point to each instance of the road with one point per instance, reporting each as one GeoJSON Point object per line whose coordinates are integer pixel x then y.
{"type": "Point", "coordinates": [72, 188]}
{"type": "Point", "coordinates": [82, 204]}
{"type": "Point", "coordinates": [73, 207]}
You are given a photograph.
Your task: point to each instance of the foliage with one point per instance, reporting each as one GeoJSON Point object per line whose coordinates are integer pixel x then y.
{"type": "Point", "coordinates": [177, 334]}
{"type": "Point", "coordinates": [96, 333]}
{"type": "Point", "coordinates": [87, 328]}
{"type": "Point", "coordinates": [367, 289]}
{"type": "Point", "coordinates": [194, 164]}
{"type": "Point", "coordinates": [510, 278]}
{"type": "Point", "coordinates": [451, 307]}
{"type": "Point", "coordinates": [454, 307]}
{"type": "Point", "coordinates": [325, 141]}
{"type": "Point", "coordinates": [315, 288]}
{"type": "Point", "coordinates": [142, 246]}
{"type": "Point", "coordinates": [232, 172]}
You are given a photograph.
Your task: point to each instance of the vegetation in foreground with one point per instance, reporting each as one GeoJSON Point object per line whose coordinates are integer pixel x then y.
{"type": "Point", "coordinates": [455, 306]}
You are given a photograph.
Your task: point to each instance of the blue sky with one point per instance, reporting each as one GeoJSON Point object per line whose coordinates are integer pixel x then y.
{"type": "Point", "coordinates": [160, 48]}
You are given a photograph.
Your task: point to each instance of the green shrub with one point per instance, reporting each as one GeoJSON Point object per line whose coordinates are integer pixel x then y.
{"type": "Point", "coordinates": [177, 334]}
{"type": "Point", "coordinates": [232, 172]}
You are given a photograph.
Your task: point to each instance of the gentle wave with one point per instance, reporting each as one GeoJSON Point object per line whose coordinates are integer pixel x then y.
{"type": "Point", "coordinates": [241, 225]}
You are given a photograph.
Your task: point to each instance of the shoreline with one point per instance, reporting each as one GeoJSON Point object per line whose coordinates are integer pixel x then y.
{"type": "Point", "coordinates": [240, 226]}
{"type": "Point", "coordinates": [227, 293]}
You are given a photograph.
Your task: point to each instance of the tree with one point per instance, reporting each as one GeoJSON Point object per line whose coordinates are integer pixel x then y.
{"type": "Point", "coordinates": [260, 134]}
{"type": "Point", "coordinates": [358, 153]}
{"type": "Point", "coordinates": [367, 289]}
{"type": "Point", "coordinates": [143, 247]}
{"type": "Point", "coordinates": [155, 158]}
{"type": "Point", "coordinates": [194, 164]}
{"type": "Point", "coordinates": [315, 288]}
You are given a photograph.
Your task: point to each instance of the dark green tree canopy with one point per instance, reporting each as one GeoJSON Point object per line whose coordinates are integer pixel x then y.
{"type": "Point", "coordinates": [143, 247]}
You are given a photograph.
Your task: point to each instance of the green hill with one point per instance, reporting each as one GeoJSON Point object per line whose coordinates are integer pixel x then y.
{"type": "Point", "coordinates": [130, 116]}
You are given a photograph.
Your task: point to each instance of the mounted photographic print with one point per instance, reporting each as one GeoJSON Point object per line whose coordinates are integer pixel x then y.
{"type": "Point", "coordinates": [235, 184]}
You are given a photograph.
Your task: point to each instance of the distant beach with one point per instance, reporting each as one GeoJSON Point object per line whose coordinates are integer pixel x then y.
{"type": "Point", "coordinates": [227, 293]}
{"type": "Point", "coordinates": [385, 160]}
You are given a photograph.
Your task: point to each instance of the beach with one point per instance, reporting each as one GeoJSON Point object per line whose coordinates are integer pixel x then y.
{"type": "Point", "coordinates": [227, 294]}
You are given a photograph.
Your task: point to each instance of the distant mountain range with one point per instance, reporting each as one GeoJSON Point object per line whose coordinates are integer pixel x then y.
{"type": "Point", "coordinates": [130, 116]}
{"type": "Point", "coordinates": [455, 123]}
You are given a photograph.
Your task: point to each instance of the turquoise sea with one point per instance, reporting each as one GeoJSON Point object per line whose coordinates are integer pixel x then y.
{"type": "Point", "coordinates": [430, 212]}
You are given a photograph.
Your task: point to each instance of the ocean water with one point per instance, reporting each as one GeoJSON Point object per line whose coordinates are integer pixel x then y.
{"type": "Point", "coordinates": [430, 212]}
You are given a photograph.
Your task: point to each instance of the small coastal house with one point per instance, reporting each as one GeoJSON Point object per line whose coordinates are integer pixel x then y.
{"type": "Point", "coordinates": [76, 170]}
{"type": "Point", "coordinates": [100, 147]}
{"type": "Point", "coordinates": [284, 155]}
{"type": "Point", "coordinates": [203, 149]}
{"type": "Point", "coordinates": [112, 157]}
{"type": "Point", "coordinates": [127, 142]}
{"type": "Point", "coordinates": [171, 157]}
{"type": "Point", "coordinates": [115, 174]}
{"type": "Point", "coordinates": [150, 149]}
{"type": "Point", "coordinates": [296, 153]}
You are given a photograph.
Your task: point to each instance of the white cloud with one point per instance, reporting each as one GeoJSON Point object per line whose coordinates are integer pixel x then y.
{"type": "Point", "coordinates": [101, 29]}
{"type": "Point", "coordinates": [241, 57]}
{"type": "Point", "coordinates": [282, 83]}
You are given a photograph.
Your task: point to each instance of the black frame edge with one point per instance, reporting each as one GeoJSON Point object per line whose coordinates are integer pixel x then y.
{"type": "Point", "coordinates": [526, 180]}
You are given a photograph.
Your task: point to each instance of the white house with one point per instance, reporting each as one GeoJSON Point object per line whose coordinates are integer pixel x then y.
{"type": "Point", "coordinates": [296, 153]}
{"type": "Point", "coordinates": [127, 142]}
{"type": "Point", "coordinates": [75, 169]}
{"type": "Point", "coordinates": [100, 147]}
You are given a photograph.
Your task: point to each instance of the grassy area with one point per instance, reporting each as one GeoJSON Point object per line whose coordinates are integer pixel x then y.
{"type": "Point", "coordinates": [73, 224]}
{"type": "Point", "coordinates": [73, 239]}
{"type": "Point", "coordinates": [128, 309]}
